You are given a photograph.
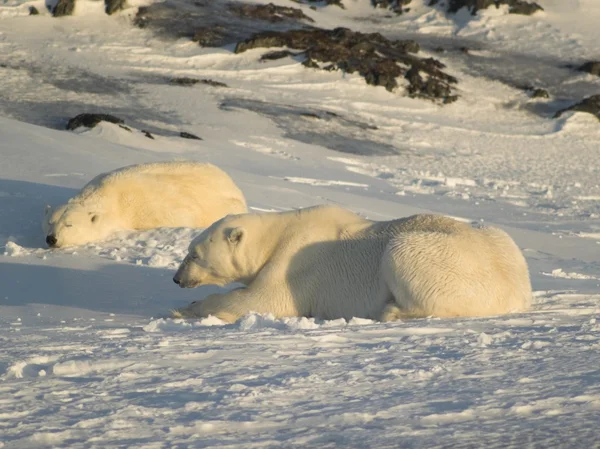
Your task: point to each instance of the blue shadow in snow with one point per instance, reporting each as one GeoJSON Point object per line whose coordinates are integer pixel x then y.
{"type": "Point", "coordinates": [22, 210]}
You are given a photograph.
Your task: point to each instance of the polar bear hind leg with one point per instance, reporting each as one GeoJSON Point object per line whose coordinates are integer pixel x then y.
{"type": "Point", "coordinates": [451, 274]}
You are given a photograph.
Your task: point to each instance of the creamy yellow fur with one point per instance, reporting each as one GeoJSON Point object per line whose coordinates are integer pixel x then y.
{"type": "Point", "coordinates": [329, 263]}
{"type": "Point", "coordinates": [162, 194]}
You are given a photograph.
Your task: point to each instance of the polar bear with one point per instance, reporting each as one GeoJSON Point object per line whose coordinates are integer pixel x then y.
{"type": "Point", "coordinates": [330, 263]}
{"type": "Point", "coordinates": [144, 196]}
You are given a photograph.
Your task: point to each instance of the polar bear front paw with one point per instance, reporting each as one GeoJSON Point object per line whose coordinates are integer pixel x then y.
{"type": "Point", "coordinates": [391, 312]}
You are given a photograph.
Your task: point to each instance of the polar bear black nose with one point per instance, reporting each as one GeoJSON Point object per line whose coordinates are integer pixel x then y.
{"type": "Point", "coordinates": [51, 240]}
{"type": "Point", "coordinates": [176, 281]}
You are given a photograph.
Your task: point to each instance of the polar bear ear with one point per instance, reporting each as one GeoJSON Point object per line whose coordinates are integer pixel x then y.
{"type": "Point", "coordinates": [48, 210]}
{"type": "Point", "coordinates": [235, 235]}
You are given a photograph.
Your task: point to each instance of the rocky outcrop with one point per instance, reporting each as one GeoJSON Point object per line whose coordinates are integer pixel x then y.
{"type": "Point", "coordinates": [64, 8]}
{"type": "Point", "coordinates": [185, 81]}
{"type": "Point", "coordinates": [592, 67]}
{"type": "Point", "coordinates": [91, 120]}
{"type": "Point", "coordinates": [269, 12]}
{"type": "Point", "coordinates": [113, 6]}
{"type": "Point", "coordinates": [187, 135]}
{"type": "Point", "coordinates": [397, 6]}
{"type": "Point", "coordinates": [591, 105]}
{"type": "Point", "coordinates": [514, 6]}
{"type": "Point", "coordinates": [378, 60]}
{"type": "Point", "coordinates": [326, 2]}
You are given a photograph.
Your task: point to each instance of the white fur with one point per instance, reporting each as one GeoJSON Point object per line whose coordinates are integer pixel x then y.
{"type": "Point", "coordinates": [329, 263]}
{"type": "Point", "coordinates": [162, 194]}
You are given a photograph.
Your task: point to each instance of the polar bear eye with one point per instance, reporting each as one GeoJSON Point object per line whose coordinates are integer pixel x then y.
{"type": "Point", "coordinates": [68, 225]}
{"type": "Point", "coordinates": [94, 218]}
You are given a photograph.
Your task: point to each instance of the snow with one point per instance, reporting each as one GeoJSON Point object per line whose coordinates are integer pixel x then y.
{"type": "Point", "coordinates": [89, 355]}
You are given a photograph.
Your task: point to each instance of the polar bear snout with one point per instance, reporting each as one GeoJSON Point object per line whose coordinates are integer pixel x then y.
{"type": "Point", "coordinates": [177, 279]}
{"type": "Point", "coordinates": [183, 284]}
{"type": "Point", "coordinates": [51, 240]}
{"type": "Point", "coordinates": [182, 277]}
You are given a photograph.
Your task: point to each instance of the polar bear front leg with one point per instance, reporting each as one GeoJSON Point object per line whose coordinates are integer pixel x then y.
{"type": "Point", "coordinates": [233, 305]}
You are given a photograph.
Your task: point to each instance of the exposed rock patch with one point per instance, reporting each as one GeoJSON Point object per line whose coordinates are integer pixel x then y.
{"type": "Point", "coordinates": [539, 93]}
{"type": "Point", "coordinates": [217, 23]}
{"type": "Point", "coordinates": [591, 105]}
{"type": "Point", "coordinates": [33, 11]}
{"type": "Point", "coordinates": [273, 55]}
{"type": "Point", "coordinates": [534, 92]}
{"type": "Point", "coordinates": [592, 67]}
{"type": "Point", "coordinates": [397, 6]}
{"type": "Point", "coordinates": [91, 120]}
{"type": "Point", "coordinates": [210, 37]}
{"type": "Point", "coordinates": [187, 135]}
{"type": "Point", "coordinates": [269, 12]}
{"type": "Point", "coordinates": [378, 60]}
{"type": "Point", "coordinates": [113, 6]}
{"type": "Point", "coordinates": [325, 2]}
{"type": "Point", "coordinates": [514, 6]}
{"type": "Point", "coordinates": [185, 81]}
{"type": "Point", "coordinates": [64, 8]}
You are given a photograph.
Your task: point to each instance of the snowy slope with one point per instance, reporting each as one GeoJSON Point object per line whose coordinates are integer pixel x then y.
{"type": "Point", "coordinates": [87, 355]}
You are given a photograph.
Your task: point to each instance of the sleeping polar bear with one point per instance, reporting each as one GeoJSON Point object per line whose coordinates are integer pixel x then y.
{"type": "Point", "coordinates": [161, 194]}
{"type": "Point", "coordinates": [329, 263]}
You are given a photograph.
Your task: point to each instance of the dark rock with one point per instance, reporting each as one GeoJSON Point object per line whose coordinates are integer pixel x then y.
{"type": "Point", "coordinates": [63, 8]}
{"type": "Point", "coordinates": [185, 81]}
{"type": "Point", "coordinates": [213, 83]}
{"type": "Point", "coordinates": [327, 2]}
{"type": "Point", "coordinates": [514, 6]}
{"type": "Point", "coordinates": [186, 135]}
{"type": "Point", "coordinates": [592, 67]}
{"type": "Point", "coordinates": [113, 6]}
{"type": "Point", "coordinates": [524, 8]}
{"type": "Point", "coordinates": [140, 20]}
{"type": "Point", "coordinates": [91, 120]}
{"type": "Point", "coordinates": [209, 37]}
{"type": "Point", "coordinates": [126, 128]}
{"type": "Point", "coordinates": [394, 5]}
{"type": "Point", "coordinates": [216, 23]}
{"type": "Point", "coordinates": [269, 12]}
{"type": "Point", "coordinates": [148, 134]}
{"type": "Point", "coordinates": [539, 93]}
{"type": "Point", "coordinates": [378, 60]}
{"type": "Point", "coordinates": [273, 55]}
{"type": "Point", "coordinates": [33, 11]}
{"type": "Point", "coordinates": [591, 105]}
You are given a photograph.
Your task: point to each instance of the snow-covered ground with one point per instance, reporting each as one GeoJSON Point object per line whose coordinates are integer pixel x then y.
{"type": "Point", "coordinates": [87, 355]}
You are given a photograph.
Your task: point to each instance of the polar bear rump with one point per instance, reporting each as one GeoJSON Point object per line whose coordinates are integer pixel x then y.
{"type": "Point", "coordinates": [329, 263]}
{"type": "Point", "coordinates": [163, 194]}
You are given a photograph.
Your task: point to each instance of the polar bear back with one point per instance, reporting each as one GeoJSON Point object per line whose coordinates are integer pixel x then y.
{"type": "Point", "coordinates": [342, 265]}
{"type": "Point", "coordinates": [165, 194]}
{"type": "Point", "coordinates": [464, 272]}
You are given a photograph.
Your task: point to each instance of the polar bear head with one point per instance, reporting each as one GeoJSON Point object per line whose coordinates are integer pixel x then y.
{"type": "Point", "coordinates": [219, 255]}
{"type": "Point", "coordinates": [74, 224]}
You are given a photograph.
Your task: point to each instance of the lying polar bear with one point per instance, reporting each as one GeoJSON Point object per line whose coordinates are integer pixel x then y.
{"type": "Point", "coordinates": [145, 196]}
{"type": "Point", "coordinates": [329, 263]}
